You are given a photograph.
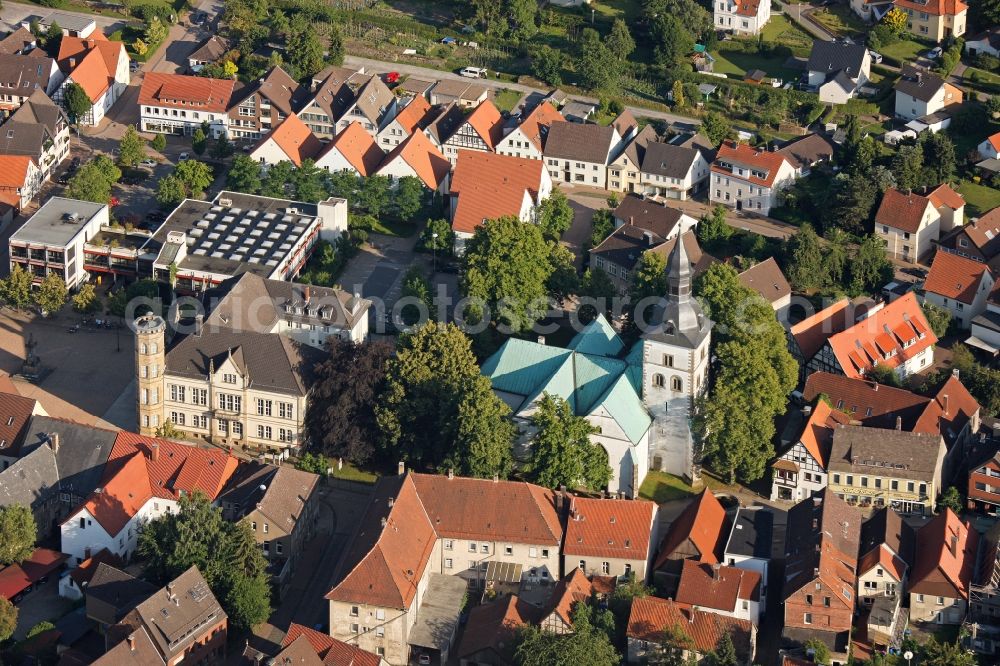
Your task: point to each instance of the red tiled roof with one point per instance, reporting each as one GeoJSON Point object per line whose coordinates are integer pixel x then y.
{"type": "Point", "coordinates": [573, 589]}
{"type": "Point", "coordinates": [883, 557]}
{"type": "Point", "coordinates": [14, 170]}
{"type": "Point", "coordinates": [489, 186]}
{"type": "Point", "coordinates": [95, 62]}
{"type": "Point", "coordinates": [949, 410]}
{"type": "Point", "coordinates": [944, 196]}
{"type": "Point", "coordinates": [748, 156]}
{"type": "Point", "coordinates": [84, 571]}
{"type": "Point", "coordinates": [16, 577]}
{"type": "Point", "coordinates": [936, 7]}
{"type": "Point", "coordinates": [869, 402]}
{"type": "Point", "coordinates": [455, 508]}
{"type": "Point", "coordinates": [332, 651]}
{"type": "Point", "coordinates": [994, 140]}
{"type": "Point", "coordinates": [15, 412]}
{"type": "Point", "coordinates": [747, 7]}
{"type": "Point", "coordinates": [295, 140]}
{"type": "Point", "coordinates": [817, 435]}
{"type": "Point", "coordinates": [487, 123]}
{"type": "Point", "coordinates": [426, 161]}
{"type": "Point", "coordinates": [177, 467]}
{"type": "Point", "coordinates": [813, 331]}
{"type": "Point", "coordinates": [702, 521]}
{"type": "Point", "coordinates": [900, 210]}
{"type": "Point", "coordinates": [651, 616]}
{"type": "Point", "coordinates": [186, 92]}
{"type": "Point", "coordinates": [491, 626]}
{"type": "Point", "coordinates": [985, 232]}
{"type": "Point", "coordinates": [126, 489]}
{"type": "Point", "coordinates": [413, 113]}
{"type": "Point", "coordinates": [716, 586]}
{"type": "Point", "coordinates": [612, 528]}
{"type": "Point", "coordinates": [952, 276]}
{"type": "Point", "coordinates": [946, 557]}
{"type": "Point", "coordinates": [873, 340]}
{"type": "Point", "coordinates": [358, 148]}
{"type": "Point", "coordinates": [542, 116]}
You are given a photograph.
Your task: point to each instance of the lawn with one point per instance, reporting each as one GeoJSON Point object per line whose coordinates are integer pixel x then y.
{"type": "Point", "coordinates": [905, 50]}
{"type": "Point", "coordinates": [978, 198]}
{"type": "Point", "coordinates": [506, 99]}
{"type": "Point", "coordinates": [739, 63]}
{"type": "Point", "coordinates": [351, 473]}
{"type": "Point", "coordinates": [87, 8]}
{"type": "Point", "coordinates": [662, 487]}
{"type": "Point", "coordinates": [780, 30]}
{"type": "Point", "coordinates": [840, 20]}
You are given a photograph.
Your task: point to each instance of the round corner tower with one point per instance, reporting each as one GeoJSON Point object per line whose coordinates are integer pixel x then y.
{"type": "Point", "coordinates": [150, 364]}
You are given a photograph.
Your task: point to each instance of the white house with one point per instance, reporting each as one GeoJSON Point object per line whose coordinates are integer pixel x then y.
{"type": "Point", "coordinates": [911, 223]}
{"type": "Point", "coordinates": [801, 470]}
{"type": "Point", "coordinates": [750, 543]}
{"type": "Point", "coordinates": [527, 140]}
{"type": "Point", "coordinates": [373, 106]}
{"type": "Point", "coordinates": [291, 141]}
{"type": "Point", "coordinates": [579, 154]}
{"type": "Point", "coordinates": [352, 150]}
{"type": "Point", "coordinates": [99, 66]}
{"type": "Point", "coordinates": [960, 285]}
{"type": "Point", "coordinates": [741, 17]}
{"type": "Point", "coordinates": [836, 70]}
{"type": "Point", "coordinates": [746, 178]}
{"type": "Point", "coordinates": [179, 104]}
{"type": "Point", "coordinates": [990, 147]}
{"type": "Point", "coordinates": [20, 180]}
{"type": "Point", "coordinates": [416, 156]}
{"type": "Point", "coordinates": [53, 239]}
{"type": "Point", "coordinates": [728, 591]}
{"type": "Point", "coordinates": [920, 93]}
{"type": "Point", "coordinates": [672, 171]}
{"type": "Point", "coordinates": [987, 42]}
{"type": "Point", "coordinates": [404, 123]}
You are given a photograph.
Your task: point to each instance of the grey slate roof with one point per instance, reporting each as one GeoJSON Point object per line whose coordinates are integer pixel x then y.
{"type": "Point", "coordinates": [28, 129]}
{"type": "Point", "coordinates": [210, 50]}
{"type": "Point", "coordinates": [885, 526]}
{"type": "Point", "coordinates": [272, 362]}
{"type": "Point", "coordinates": [31, 480]}
{"type": "Point", "coordinates": [808, 150]}
{"type": "Point", "coordinates": [669, 161]}
{"type": "Point", "coordinates": [908, 455]}
{"type": "Point", "coordinates": [636, 148]}
{"type": "Point", "coordinates": [919, 84]}
{"type": "Point", "coordinates": [83, 450]}
{"type": "Point", "coordinates": [281, 89]}
{"type": "Point", "coordinates": [374, 100]}
{"type": "Point", "coordinates": [112, 593]}
{"type": "Point", "coordinates": [833, 57]}
{"type": "Point", "coordinates": [582, 143]}
{"type": "Point", "coordinates": [17, 41]}
{"type": "Point", "coordinates": [286, 495]}
{"type": "Point", "coordinates": [22, 74]}
{"type": "Point", "coordinates": [170, 612]}
{"type": "Point", "coordinates": [752, 533]}
{"type": "Point", "coordinates": [446, 123]}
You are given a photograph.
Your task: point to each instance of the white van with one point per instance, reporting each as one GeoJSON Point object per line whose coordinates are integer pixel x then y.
{"type": "Point", "coordinates": [474, 72]}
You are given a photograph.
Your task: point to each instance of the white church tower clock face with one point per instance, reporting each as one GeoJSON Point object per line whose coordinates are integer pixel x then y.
{"type": "Point", "coordinates": [675, 368]}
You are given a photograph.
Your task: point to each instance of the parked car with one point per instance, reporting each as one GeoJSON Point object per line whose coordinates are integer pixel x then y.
{"type": "Point", "coordinates": [148, 163]}
{"type": "Point", "coordinates": [392, 77]}
{"type": "Point", "coordinates": [876, 56]}
{"type": "Point", "coordinates": [183, 156]}
{"type": "Point", "coordinates": [935, 53]}
{"type": "Point", "coordinates": [74, 163]}
{"type": "Point", "coordinates": [474, 72]}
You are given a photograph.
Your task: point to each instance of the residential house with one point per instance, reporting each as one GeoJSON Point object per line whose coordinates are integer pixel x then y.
{"type": "Point", "coordinates": [895, 335]}
{"type": "Point", "coordinates": [20, 179]}
{"type": "Point", "coordinates": [465, 94]}
{"type": "Point", "coordinates": [986, 42]}
{"type": "Point", "coordinates": [920, 94]}
{"type": "Point", "coordinates": [728, 591]}
{"type": "Point", "coordinates": [750, 543]}
{"type": "Point", "coordinates": [878, 467]}
{"type": "Point", "coordinates": [807, 337]}
{"type": "Point", "coordinates": [99, 66]}
{"type": "Point", "coordinates": [489, 632]}
{"type": "Point", "coordinates": [142, 480]}
{"type": "Point", "coordinates": [990, 147]}
{"type": "Point", "coordinates": [420, 536]}
{"type": "Point", "coordinates": [910, 223]}
{"type": "Point", "coordinates": [651, 617]}
{"type": "Point", "coordinates": [19, 42]}
{"type": "Point", "coordinates": [410, 119]}
{"type": "Point", "coordinates": [807, 152]}
{"type": "Point", "coordinates": [38, 129]}
{"type": "Point", "coordinates": [527, 139]}
{"type": "Point", "coordinates": [180, 104]}
{"type": "Point", "coordinates": [943, 570]}
{"type": "Point", "coordinates": [621, 252]}
{"type": "Point", "coordinates": [32, 481]}
{"type": "Point", "coordinates": [611, 537]}
{"type": "Point", "coordinates": [411, 87]}
{"type": "Point", "coordinates": [985, 328]}
{"type": "Point", "coordinates": [624, 170]}
{"type": "Point", "coordinates": [110, 592]}
{"type": "Point", "coordinates": [749, 179]}
{"type": "Point", "coordinates": [978, 240]}
{"type": "Point", "coordinates": [885, 556]}
{"type": "Point", "coordinates": [579, 154]}
{"type": "Point", "coordinates": [52, 240]}
{"type": "Point", "coordinates": [935, 20]}
{"type": "Point", "coordinates": [72, 25]}
{"type": "Point", "coordinates": [699, 533]}
{"type": "Point", "coordinates": [575, 588]}
{"type": "Point", "coordinates": [578, 111]}
{"type": "Point", "coordinates": [821, 555]}
{"type": "Point", "coordinates": [959, 285]}
{"type": "Point", "coordinates": [373, 106]}
{"type": "Point", "coordinates": [207, 53]}
{"type": "Point", "coordinates": [22, 76]}
{"type": "Point", "coordinates": [291, 141]}
{"type": "Point", "coordinates": [281, 506]}
{"type": "Point", "coordinates": [352, 150]}
{"type": "Point", "coordinates": [767, 280]}
{"type": "Point", "coordinates": [442, 122]}
{"type": "Point", "coordinates": [481, 130]}
{"type": "Point", "coordinates": [15, 413]}
{"type": "Point", "coordinates": [837, 70]}
{"type": "Point", "coordinates": [672, 171]}
{"type": "Point", "coordinates": [256, 109]}
{"type": "Point", "coordinates": [593, 378]}
{"type": "Point", "coordinates": [74, 585]}
{"type": "Point", "coordinates": [331, 92]}
{"type": "Point", "coordinates": [416, 156]}
{"type": "Point", "coordinates": [182, 621]}
{"type": "Point", "coordinates": [741, 17]}
{"type": "Point", "coordinates": [486, 186]}
{"type": "Point", "coordinates": [302, 645]}
{"type": "Point", "coordinates": [802, 470]}
{"type": "Point", "coordinates": [983, 491]}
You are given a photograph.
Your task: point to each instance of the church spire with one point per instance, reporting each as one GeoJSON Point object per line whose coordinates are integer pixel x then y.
{"type": "Point", "coordinates": [680, 313]}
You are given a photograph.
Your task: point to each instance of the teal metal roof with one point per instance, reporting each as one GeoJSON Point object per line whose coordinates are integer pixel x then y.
{"type": "Point", "coordinates": [598, 337]}
{"type": "Point", "coordinates": [521, 366]}
{"type": "Point", "coordinates": [626, 408]}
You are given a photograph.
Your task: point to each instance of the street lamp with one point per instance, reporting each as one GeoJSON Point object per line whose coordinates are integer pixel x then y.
{"type": "Point", "coordinates": [908, 655]}
{"type": "Point", "coordinates": [434, 247]}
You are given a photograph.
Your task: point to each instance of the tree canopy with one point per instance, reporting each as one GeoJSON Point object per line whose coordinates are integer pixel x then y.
{"type": "Point", "coordinates": [18, 533]}
{"type": "Point", "coordinates": [561, 451]}
{"type": "Point", "coordinates": [76, 102]}
{"type": "Point", "coordinates": [94, 180]}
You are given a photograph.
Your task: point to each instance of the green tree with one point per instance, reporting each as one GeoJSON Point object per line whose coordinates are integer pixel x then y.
{"type": "Point", "coordinates": [805, 260]}
{"type": "Point", "coordinates": [18, 533]}
{"type": "Point", "coordinates": [602, 223]}
{"type": "Point", "coordinates": [196, 177]}
{"type": "Point", "coordinates": [937, 653]}
{"type": "Point", "coordinates": [170, 191]}
{"type": "Point", "coordinates": [590, 647]}
{"type": "Point", "coordinates": [16, 288]}
{"type": "Point", "coordinates": [335, 50]}
{"type": "Point", "coordinates": [8, 619]}
{"type": "Point", "coordinates": [248, 600]}
{"type": "Point", "coordinates": [871, 267]}
{"type": "Point", "coordinates": [159, 143]}
{"type": "Point", "coordinates": [279, 176]}
{"type": "Point", "coordinates": [39, 628]}
{"type": "Point", "coordinates": [938, 317]}
{"type": "Point", "coordinates": [416, 286]}
{"type": "Point", "coordinates": [671, 40]}
{"type": "Point", "coordinates": [554, 215]}
{"type": "Point", "coordinates": [408, 197]}
{"type": "Point", "coordinates": [677, 91]}
{"type": "Point", "coordinates": [51, 294]}
{"type": "Point", "coordinates": [221, 148]}
{"type": "Point", "coordinates": [895, 19]}
{"type": "Point", "coordinates": [305, 51]}
{"type": "Point", "coordinates": [131, 148]}
{"type": "Point", "coordinates": [620, 42]}
{"type": "Point", "coordinates": [314, 463]}
{"type": "Point", "coordinates": [713, 230]}
{"type": "Point", "coordinates": [985, 13]}
{"type": "Point", "coordinates": [940, 162]}
{"type": "Point", "coordinates": [725, 652]}
{"type": "Point", "coordinates": [243, 175]}
{"type": "Point", "coordinates": [94, 180]}
{"type": "Point", "coordinates": [485, 433]}
{"type": "Point", "coordinates": [546, 64]}
{"type": "Point", "coordinates": [673, 646]}
{"type": "Point", "coordinates": [563, 280]}
{"type": "Point", "coordinates": [649, 277]}
{"type": "Point", "coordinates": [308, 182]}
{"type": "Point", "coordinates": [53, 39]}
{"type": "Point", "coordinates": [716, 127]}
{"type": "Point", "coordinates": [167, 430]}
{"type": "Point", "coordinates": [836, 259]}
{"type": "Point", "coordinates": [85, 299]}
{"type": "Point", "coordinates": [561, 452]}
{"type": "Point", "coordinates": [374, 195]}
{"type": "Point", "coordinates": [199, 141]}
{"type": "Point", "coordinates": [445, 236]}
{"type": "Point", "coordinates": [596, 284]}
{"type": "Point", "coordinates": [427, 383]}
{"type": "Point", "coordinates": [950, 499]}
{"type": "Point", "coordinates": [819, 651]}
{"type": "Point", "coordinates": [521, 18]}
{"type": "Point", "coordinates": [595, 65]}
{"type": "Point", "coordinates": [156, 32]}
{"type": "Point", "coordinates": [908, 167]}
{"type": "Point", "coordinates": [507, 266]}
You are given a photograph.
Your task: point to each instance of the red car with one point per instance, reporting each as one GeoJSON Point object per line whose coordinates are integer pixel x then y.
{"type": "Point", "coordinates": [113, 202]}
{"type": "Point", "coordinates": [392, 77]}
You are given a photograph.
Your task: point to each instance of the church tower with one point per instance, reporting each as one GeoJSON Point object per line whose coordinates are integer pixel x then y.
{"type": "Point", "coordinates": [675, 355]}
{"type": "Point", "coordinates": [150, 364]}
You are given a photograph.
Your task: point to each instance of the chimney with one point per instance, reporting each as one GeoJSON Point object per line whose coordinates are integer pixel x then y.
{"type": "Point", "coordinates": [305, 293]}
{"type": "Point", "coordinates": [944, 403]}
{"type": "Point", "coordinates": [920, 78]}
{"type": "Point", "coordinates": [199, 321]}
{"type": "Point", "coordinates": [956, 373]}
{"type": "Point", "coordinates": [716, 570]}
{"type": "Point", "coordinates": [631, 220]}
{"type": "Point", "coordinates": [954, 545]}
{"type": "Point", "coordinates": [154, 454]}
{"type": "Point", "coordinates": [54, 442]}
{"type": "Point", "coordinates": [899, 423]}
{"type": "Point", "coordinates": [451, 473]}
{"type": "Point", "coordinates": [384, 521]}
{"type": "Point", "coordinates": [496, 478]}
{"type": "Point", "coordinates": [131, 642]}
{"type": "Point", "coordinates": [541, 339]}
{"type": "Point", "coordinates": [401, 468]}
{"type": "Point", "coordinates": [72, 63]}
{"type": "Point", "coordinates": [647, 238]}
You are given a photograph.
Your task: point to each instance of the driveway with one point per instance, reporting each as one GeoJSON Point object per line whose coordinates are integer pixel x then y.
{"type": "Point", "coordinates": [42, 603]}
{"type": "Point", "coordinates": [801, 14]}
{"type": "Point", "coordinates": [376, 272]}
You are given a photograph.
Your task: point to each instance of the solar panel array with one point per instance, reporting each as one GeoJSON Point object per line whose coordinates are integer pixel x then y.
{"type": "Point", "coordinates": [249, 236]}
